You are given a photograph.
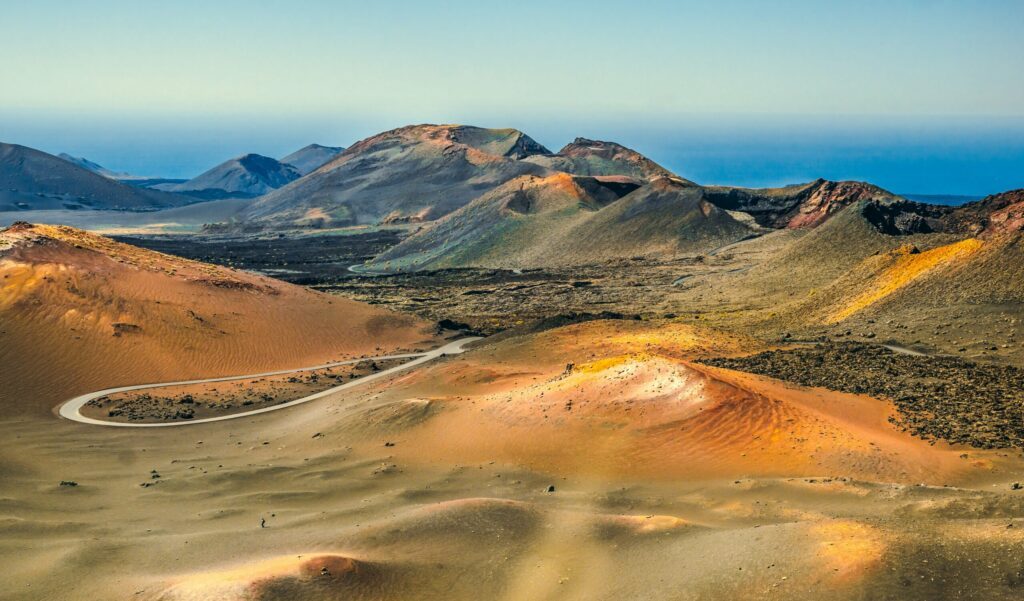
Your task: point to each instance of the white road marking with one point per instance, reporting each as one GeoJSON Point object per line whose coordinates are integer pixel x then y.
{"type": "Point", "coordinates": [72, 409]}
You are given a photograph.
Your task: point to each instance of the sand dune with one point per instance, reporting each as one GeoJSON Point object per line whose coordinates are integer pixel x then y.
{"type": "Point", "coordinates": [95, 313]}
{"type": "Point", "coordinates": [651, 413]}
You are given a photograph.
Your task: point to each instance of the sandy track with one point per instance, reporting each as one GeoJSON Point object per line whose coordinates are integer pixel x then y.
{"type": "Point", "coordinates": [71, 409]}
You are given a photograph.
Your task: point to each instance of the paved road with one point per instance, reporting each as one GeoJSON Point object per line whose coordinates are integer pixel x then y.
{"type": "Point", "coordinates": [903, 350]}
{"type": "Point", "coordinates": [72, 409]}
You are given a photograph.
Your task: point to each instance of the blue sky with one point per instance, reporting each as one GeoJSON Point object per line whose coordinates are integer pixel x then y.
{"type": "Point", "coordinates": [901, 92]}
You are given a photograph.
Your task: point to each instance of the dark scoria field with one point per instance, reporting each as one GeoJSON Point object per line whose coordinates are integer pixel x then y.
{"type": "Point", "coordinates": [938, 397]}
{"type": "Point", "coordinates": [309, 259]}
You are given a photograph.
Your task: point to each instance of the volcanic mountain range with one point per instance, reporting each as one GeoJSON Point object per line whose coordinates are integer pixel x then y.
{"type": "Point", "coordinates": [425, 172]}
{"type": "Point", "coordinates": [483, 197]}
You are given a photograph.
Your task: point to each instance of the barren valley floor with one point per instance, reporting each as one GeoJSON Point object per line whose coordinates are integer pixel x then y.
{"type": "Point", "coordinates": [609, 439]}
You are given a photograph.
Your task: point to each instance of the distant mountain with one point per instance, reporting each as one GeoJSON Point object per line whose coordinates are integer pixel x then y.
{"type": "Point", "coordinates": [797, 206]}
{"type": "Point", "coordinates": [249, 175]}
{"type": "Point", "coordinates": [312, 157]}
{"type": "Point", "coordinates": [414, 173]}
{"type": "Point", "coordinates": [95, 168]}
{"type": "Point", "coordinates": [562, 220]}
{"type": "Point", "coordinates": [594, 157]}
{"type": "Point", "coordinates": [942, 199]}
{"type": "Point", "coordinates": [421, 173]}
{"type": "Point", "coordinates": [34, 180]}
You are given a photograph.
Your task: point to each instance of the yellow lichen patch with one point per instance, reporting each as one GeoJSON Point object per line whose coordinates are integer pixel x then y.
{"type": "Point", "coordinates": [609, 363]}
{"type": "Point", "coordinates": [679, 340]}
{"type": "Point", "coordinates": [683, 339]}
{"type": "Point", "coordinates": [905, 268]}
{"type": "Point", "coordinates": [849, 549]}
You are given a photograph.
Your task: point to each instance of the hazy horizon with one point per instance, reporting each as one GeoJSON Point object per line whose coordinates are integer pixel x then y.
{"type": "Point", "coordinates": [952, 155]}
{"type": "Point", "coordinates": [920, 96]}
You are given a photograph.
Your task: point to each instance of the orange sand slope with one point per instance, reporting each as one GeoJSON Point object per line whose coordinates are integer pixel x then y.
{"type": "Point", "coordinates": [81, 312]}
{"type": "Point", "coordinates": [634, 405]}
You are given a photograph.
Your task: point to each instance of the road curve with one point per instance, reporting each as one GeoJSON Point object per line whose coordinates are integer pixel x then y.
{"type": "Point", "coordinates": [71, 409]}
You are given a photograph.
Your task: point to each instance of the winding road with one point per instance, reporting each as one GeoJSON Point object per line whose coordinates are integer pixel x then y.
{"type": "Point", "coordinates": [72, 409]}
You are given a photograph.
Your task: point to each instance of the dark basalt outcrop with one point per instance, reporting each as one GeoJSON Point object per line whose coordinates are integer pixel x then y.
{"type": "Point", "coordinates": [906, 217]}
{"type": "Point", "coordinates": [799, 206]}
{"type": "Point", "coordinates": [990, 216]}
{"type": "Point", "coordinates": [995, 214]}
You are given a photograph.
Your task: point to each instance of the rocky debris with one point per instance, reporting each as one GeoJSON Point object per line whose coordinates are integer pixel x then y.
{"type": "Point", "coordinates": [234, 284]}
{"type": "Point", "coordinates": [448, 324]}
{"type": "Point", "coordinates": [938, 397]}
{"type": "Point", "coordinates": [121, 328]}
